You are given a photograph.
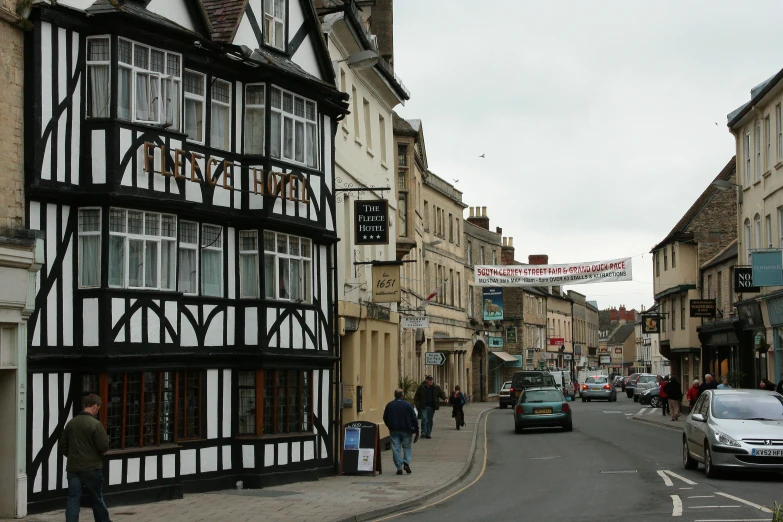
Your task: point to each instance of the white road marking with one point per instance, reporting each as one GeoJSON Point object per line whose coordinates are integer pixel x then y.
{"type": "Point", "coordinates": [612, 412]}
{"type": "Point", "coordinates": [641, 412]}
{"type": "Point", "coordinates": [666, 479]}
{"type": "Point", "coordinates": [686, 488]}
{"type": "Point", "coordinates": [702, 496]}
{"type": "Point", "coordinates": [746, 502]}
{"type": "Point", "coordinates": [676, 506]}
{"type": "Point", "coordinates": [712, 507]}
{"type": "Point", "coordinates": [544, 458]}
{"type": "Point", "coordinates": [629, 414]}
{"type": "Point", "coordinates": [692, 483]}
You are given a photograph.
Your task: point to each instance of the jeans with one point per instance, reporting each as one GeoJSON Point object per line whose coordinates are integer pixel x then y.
{"type": "Point", "coordinates": [427, 414]}
{"type": "Point", "coordinates": [401, 448]}
{"type": "Point", "coordinates": [92, 481]}
{"type": "Point", "coordinates": [664, 406]}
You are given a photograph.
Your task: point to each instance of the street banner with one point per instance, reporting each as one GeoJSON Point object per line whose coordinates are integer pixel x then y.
{"type": "Point", "coordinates": [547, 275]}
{"type": "Point", "coordinates": [767, 268]}
{"type": "Point", "coordinates": [493, 304]}
{"type": "Point", "coordinates": [495, 342]}
{"type": "Point", "coordinates": [410, 321]}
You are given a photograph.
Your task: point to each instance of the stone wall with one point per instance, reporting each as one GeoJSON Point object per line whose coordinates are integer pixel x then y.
{"type": "Point", "coordinates": [715, 226]}
{"type": "Point", "coordinates": [11, 122]}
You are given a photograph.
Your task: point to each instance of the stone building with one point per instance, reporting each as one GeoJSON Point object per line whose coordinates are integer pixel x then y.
{"type": "Point", "coordinates": [585, 329]}
{"type": "Point", "coordinates": [621, 347]}
{"type": "Point", "coordinates": [560, 329]}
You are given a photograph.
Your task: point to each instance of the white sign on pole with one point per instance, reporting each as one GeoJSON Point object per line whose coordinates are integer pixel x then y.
{"type": "Point", "coordinates": [434, 358]}
{"type": "Point", "coordinates": [546, 275]}
{"type": "Point", "coordinates": [410, 321]}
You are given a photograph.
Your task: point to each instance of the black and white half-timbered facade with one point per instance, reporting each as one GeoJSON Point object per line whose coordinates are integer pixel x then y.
{"type": "Point", "coordinates": [179, 164]}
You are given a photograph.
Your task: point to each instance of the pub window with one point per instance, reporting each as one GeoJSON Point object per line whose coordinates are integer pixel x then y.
{"type": "Point", "coordinates": [674, 259]}
{"type": "Point", "coordinates": [294, 128]}
{"type": "Point", "coordinates": [211, 260]}
{"type": "Point", "coordinates": [248, 264]}
{"type": "Point", "coordinates": [274, 402]}
{"type": "Point", "coordinates": [254, 119]}
{"type": "Point", "coordinates": [188, 257]}
{"type": "Point", "coordinates": [194, 106]}
{"type": "Point", "coordinates": [382, 137]}
{"type": "Point", "coordinates": [287, 267]}
{"type": "Point", "coordinates": [98, 66]}
{"type": "Point", "coordinates": [682, 312]}
{"type": "Point", "coordinates": [402, 214]}
{"type": "Point", "coordinates": [274, 23]}
{"type": "Point", "coordinates": [220, 124]}
{"type": "Point", "coordinates": [142, 248]}
{"type": "Point", "coordinates": [89, 247]}
{"type": "Point", "coordinates": [143, 409]}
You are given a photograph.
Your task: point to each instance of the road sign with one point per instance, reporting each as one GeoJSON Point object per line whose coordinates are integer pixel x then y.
{"type": "Point", "coordinates": [434, 358]}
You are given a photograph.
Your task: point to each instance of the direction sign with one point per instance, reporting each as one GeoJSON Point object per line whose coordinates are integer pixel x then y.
{"type": "Point", "coordinates": [434, 358]}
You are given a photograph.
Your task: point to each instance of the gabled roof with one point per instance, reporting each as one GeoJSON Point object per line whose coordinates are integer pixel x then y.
{"type": "Point", "coordinates": [138, 10]}
{"type": "Point", "coordinates": [621, 334]}
{"type": "Point", "coordinates": [225, 16]}
{"type": "Point", "coordinates": [681, 228]}
{"type": "Point", "coordinates": [756, 94]}
{"type": "Point", "coordinates": [402, 127]}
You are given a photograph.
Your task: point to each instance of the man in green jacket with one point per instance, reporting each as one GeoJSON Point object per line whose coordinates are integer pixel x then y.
{"type": "Point", "coordinates": [83, 442]}
{"type": "Point", "coordinates": [427, 399]}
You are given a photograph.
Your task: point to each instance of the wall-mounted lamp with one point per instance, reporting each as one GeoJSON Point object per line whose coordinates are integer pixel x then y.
{"type": "Point", "coordinates": [725, 185]}
{"type": "Point", "coordinates": [361, 60]}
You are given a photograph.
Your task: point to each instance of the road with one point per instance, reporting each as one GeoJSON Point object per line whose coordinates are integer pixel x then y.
{"type": "Point", "coordinates": [610, 467]}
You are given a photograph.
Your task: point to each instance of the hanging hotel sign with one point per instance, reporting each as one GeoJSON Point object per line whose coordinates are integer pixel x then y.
{"type": "Point", "coordinates": [371, 222]}
{"type": "Point", "coordinates": [414, 322]}
{"type": "Point", "coordinates": [651, 324]}
{"type": "Point", "coordinates": [743, 280]}
{"type": "Point", "coordinates": [556, 341]}
{"type": "Point", "coordinates": [545, 275]}
{"type": "Point", "coordinates": [703, 308]}
{"type": "Point", "coordinates": [386, 283]}
{"type": "Point", "coordinates": [493, 304]}
{"type": "Point", "coordinates": [767, 268]}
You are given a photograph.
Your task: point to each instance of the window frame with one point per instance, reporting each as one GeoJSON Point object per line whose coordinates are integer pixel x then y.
{"type": "Point", "coordinates": [779, 129]}
{"type": "Point", "coordinates": [746, 150]}
{"type": "Point", "coordinates": [224, 105]}
{"type": "Point", "coordinates": [269, 39]}
{"type": "Point", "coordinates": [98, 63]}
{"type": "Point", "coordinates": [768, 138]}
{"type": "Point", "coordinates": [748, 237]}
{"type": "Point", "coordinates": [247, 253]}
{"type": "Point", "coordinates": [757, 230]}
{"type": "Point", "coordinates": [90, 233]}
{"type": "Point", "coordinates": [768, 227]}
{"type": "Point", "coordinates": [306, 267]}
{"type": "Point", "coordinates": [757, 144]}
{"type": "Point", "coordinates": [261, 377]}
{"type": "Point", "coordinates": [254, 106]}
{"type": "Point", "coordinates": [306, 122]}
{"type": "Point", "coordinates": [198, 98]}
{"type": "Point", "coordinates": [195, 247]}
{"type": "Point", "coordinates": [210, 247]}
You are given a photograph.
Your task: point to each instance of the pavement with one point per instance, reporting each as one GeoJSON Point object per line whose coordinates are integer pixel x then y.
{"type": "Point", "coordinates": [437, 463]}
{"type": "Point", "coordinates": [654, 416]}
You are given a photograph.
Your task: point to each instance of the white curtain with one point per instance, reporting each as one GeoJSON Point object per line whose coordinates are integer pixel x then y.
{"type": "Point", "coordinates": [172, 104]}
{"type": "Point", "coordinates": [124, 94]}
{"type": "Point", "coordinates": [312, 139]}
{"type": "Point", "coordinates": [275, 137]}
{"type": "Point", "coordinates": [284, 282]}
{"type": "Point", "coordinates": [99, 91]}
{"type": "Point", "coordinates": [89, 261]}
{"type": "Point", "coordinates": [187, 271]}
{"type": "Point", "coordinates": [299, 142]}
{"type": "Point", "coordinates": [211, 273]}
{"type": "Point", "coordinates": [269, 276]}
{"type": "Point", "coordinates": [151, 264]}
{"type": "Point", "coordinates": [296, 282]}
{"type": "Point", "coordinates": [167, 264]}
{"type": "Point", "coordinates": [135, 263]}
{"type": "Point", "coordinates": [142, 97]}
{"type": "Point", "coordinates": [219, 130]}
{"type": "Point", "coordinates": [117, 261]}
{"type": "Point", "coordinates": [288, 138]}
{"type": "Point", "coordinates": [254, 130]}
{"type": "Point", "coordinates": [154, 97]}
{"type": "Point", "coordinates": [248, 275]}
{"type": "Point", "coordinates": [193, 111]}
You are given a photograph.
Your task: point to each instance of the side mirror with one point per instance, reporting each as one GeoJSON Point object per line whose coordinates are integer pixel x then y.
{"type": "Point", "coordinates": [698, 417]}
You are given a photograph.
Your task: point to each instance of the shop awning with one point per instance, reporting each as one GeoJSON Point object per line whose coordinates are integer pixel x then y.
{"type": "Point", "coordinates": [505, 357]}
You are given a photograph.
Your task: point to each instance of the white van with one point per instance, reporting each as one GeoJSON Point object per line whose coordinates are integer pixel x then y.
{"type": "Point", "coordinates": [563, 382]}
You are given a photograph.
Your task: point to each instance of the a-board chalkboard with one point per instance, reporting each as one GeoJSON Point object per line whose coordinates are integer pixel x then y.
{"type": "Point", "coordinates": [361, 451]}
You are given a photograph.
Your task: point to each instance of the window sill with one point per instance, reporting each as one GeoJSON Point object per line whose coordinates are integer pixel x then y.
{"type": "Point", "coordinates": [358, 141]}
{"type": "Point", "coordinates": [767, 174]}
{"type": "Point", "coordinates": [778, 165]}
{"type": "Point", "coordinates": [300, 435]}
{"type": "Point", "coordinates": [145, 449]}
{"type": "Point", "coordinates": [370, 152]}
{"type": "Point", "coordinates": [344, 127]}
{"type": "Point", "coordinates": [384, 166]}
{"type": "Point", "coordinates": [756, 182]}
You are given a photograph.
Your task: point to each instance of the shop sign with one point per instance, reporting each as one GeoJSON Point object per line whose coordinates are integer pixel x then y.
{"type": "Point", "coordinates": [493, 304]}
{"type": "Point", "coordinates": [566, 356]}
{"type": "Point", "coordinates": [703, 308]}
{"type": "Point", "coordinates": [651, 324]}
{"type": "Point", "coordinates": [511, 334]}
{"type": "Point", "coordinates": [604, 359]}
{"type": "Point", "coordinates": [548, 356]}
{"type": "Point", "coordinates": [750, 315]}
{"type": "Point", "coordinates": [556, 341]}
{"type": "Point", "coordinates": [618, 350]}
{"type": "Point", "coordinates": [578, 349]}
{"type": "Point", "coordinates": [743, 280]}
{"type": "Point", "coordinates": [371, 222]}
{"type": "Point", "coordinates": [386, 284]}
{"type": "Point", "coordinates": [495, 342]}
{"type": "Point", "coordinates": [767, 268]}
{"type": "Point", "coordinates": [412, 322]}
{"type": "Point", "coordinates": [775, 311]}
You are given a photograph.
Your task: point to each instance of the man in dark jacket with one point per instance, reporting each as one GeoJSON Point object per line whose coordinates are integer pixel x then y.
{"type": "Point", "coordinates": [401, 420]}
{"type": "Point", "coordinates": [427, 399]}
{"type": "Point", "coordinates": [709, 383]}
{"type": "Point", "coordinates": [83, 442]}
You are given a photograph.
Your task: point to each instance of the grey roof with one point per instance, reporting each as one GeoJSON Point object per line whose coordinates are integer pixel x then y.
{"type": "Point", "coordinates": [415, 124]}
{"type": "Point", "coordinates": [137, 11]}
{"type": "Point", "coordinates": [402, 126]}
{"type": "Point", "coordinates": [756, 94]}
{"type": "Point", "coordinates": [621, 334]}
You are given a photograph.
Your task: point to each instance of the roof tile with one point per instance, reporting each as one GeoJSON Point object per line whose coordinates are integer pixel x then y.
{"type": "Point", "coordinates": [224, 15]}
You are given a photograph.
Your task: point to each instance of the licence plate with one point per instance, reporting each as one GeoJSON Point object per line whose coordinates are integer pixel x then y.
{"type": "Point", "coordinates": [764, 452]}
{"type": "Point", "coordinates": [542, 410]}
{"type": "Point", "coordinates": [595, 388]}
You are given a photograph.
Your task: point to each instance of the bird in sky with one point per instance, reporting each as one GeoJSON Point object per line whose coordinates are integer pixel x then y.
{"type": "Point", "coordinates": [482, 156]}
{"type": "Point", "coordinates": [455, 180]}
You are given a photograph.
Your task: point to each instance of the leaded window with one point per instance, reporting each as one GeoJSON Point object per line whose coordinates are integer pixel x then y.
{"type": "Point", "coordinates": [294, 128]}
{"type": "Point", "coordinates": [287, 267]}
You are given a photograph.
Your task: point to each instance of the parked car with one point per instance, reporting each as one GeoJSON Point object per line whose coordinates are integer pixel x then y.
{"type": "Point", "coordinates": [597, 387]}
{"type": "Point", "coordinates": [629, 382]}
{"type": "Point", "coordinates": [617, 381]}
{"type": "Point", "coordinates": [529, 378]}
{"type": "Point", "coordinates": [504, 397]}
{"type": "Point", "coordinates": [542, 407]}
{"type": "Point", "coordinates": [651, 396]}
{"type": "Point", "coordinates": [563, 382]}
{"type": "Point", "coordinates": [735, 428]}
{"type": "Point", "coordinates": [645, 381]}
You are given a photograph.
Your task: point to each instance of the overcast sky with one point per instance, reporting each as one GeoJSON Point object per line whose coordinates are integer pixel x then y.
{"type": "Point", "coordinates": [598, 119]}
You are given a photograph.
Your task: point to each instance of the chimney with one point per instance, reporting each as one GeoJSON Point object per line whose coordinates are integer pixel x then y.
{"type": "Point", "coordinates": [538, 259]}
{"type": "Point", "coordinates": [383, 28]}
{"type": "Point", "coordinates": [479, 217]}
{"type": "Point", "coordinates": [499, 231]}
{"type": "Point", "coordinates": [507, 251]}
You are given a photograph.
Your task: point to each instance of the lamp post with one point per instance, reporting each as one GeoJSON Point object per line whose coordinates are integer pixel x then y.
{"type": "Point", "coordinates": [724, 185]}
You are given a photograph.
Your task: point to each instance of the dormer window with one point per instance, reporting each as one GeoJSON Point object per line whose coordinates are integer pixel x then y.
{"type": "Point", "coordinates": [274, 23]}
{"type": "Point", "coordinates": [294, 128]}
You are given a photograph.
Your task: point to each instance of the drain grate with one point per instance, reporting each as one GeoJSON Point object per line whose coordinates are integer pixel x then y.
{"type": "Point", "coordinates": [618, 472]}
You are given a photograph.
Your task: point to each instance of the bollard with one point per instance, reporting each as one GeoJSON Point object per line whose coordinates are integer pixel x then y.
{"type": "Point", "coordinates": [239, 485]}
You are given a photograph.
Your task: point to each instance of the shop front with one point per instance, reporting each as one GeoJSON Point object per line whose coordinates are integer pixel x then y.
{"type": "Point", "coordinates": [753, 345]}
{"type": "Point", "coordinates": [775, 313]}
{"type": "Point", "coordinates": [720, 349]}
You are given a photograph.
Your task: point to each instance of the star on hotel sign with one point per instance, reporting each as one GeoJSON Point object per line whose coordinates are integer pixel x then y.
{"type": "Point", "coordinates": [371, 222]}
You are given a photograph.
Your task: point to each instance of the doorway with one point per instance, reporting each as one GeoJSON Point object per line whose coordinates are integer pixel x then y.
{"type": "Point", "coordinates": [478, 373]}
{"type": "Point", "coordinates": [8, 443]}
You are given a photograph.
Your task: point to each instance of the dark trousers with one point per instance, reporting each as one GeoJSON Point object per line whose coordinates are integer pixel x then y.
{"type": "Point", "coordinates": [459, 417]}
{"type": "Point", "coordinates": [92, 481]}
{"type": "Point", "coordinates": [664, 405]}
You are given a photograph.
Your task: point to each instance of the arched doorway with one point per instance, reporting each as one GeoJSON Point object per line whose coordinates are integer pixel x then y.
{"type": "Point", "coordinates": [478, 372]}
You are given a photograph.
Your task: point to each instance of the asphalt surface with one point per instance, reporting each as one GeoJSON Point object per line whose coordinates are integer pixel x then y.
{"type": "Point", "coordinates": [610, 467]}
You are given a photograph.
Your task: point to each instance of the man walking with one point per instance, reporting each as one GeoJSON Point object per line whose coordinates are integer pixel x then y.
{"type": "Point", "coordinates": [709, 383]}
{"type": "Point", "coordinates": [426, 400]}
{"type": "Point", "coordinates": [401, 420]}
{"type": "Point", "coordinates": [83, 442]}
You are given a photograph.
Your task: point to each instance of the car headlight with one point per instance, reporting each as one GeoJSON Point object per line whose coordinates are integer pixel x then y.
{"type": "Point", "coordinates": [722, 438]}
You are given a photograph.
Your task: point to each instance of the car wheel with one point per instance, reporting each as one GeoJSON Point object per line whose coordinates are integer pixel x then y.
{"type": "Point", "coordinates": [517, 429]}
{"type": "Point", "coordinates": [655, 402]}
{"type": "Point", "coordinates": [688, 462]}
{"type": "Point", "coordinates": [568, 427]}
{"type": "Point", "coordinates": [629, 394]}
{"type": "Point", "coordinates": [584, 400]}
{"type": "Point", "coordinates": [709, 468]}
{"type": "Point", "coordinates": [635, 398]}
{"type": "Point", "coordinates": [614, 398]}
{"type": "Point", "coordinates": [588, 400]}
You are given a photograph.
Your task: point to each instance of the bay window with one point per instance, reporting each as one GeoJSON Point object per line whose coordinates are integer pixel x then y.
{"type": "Point", "coordinates": [211, 260]}
{"type": "Point", "coordinates": [287, 267]}
{"type": "Point", "coordinates": [188, 257]}
{"type": "Point", "coordinates": [194, 105]}
{"type": "Point", "coordinates": [248, 264]}
{"type": "Point", "coordinates": [98, 67]}
{"type": "Point", "coordinates": [274, 23]}
{"type": "Point", "coordinates": [142, 248]}
{"type": "Point", "coordinates": [294, 128]}
{"type": "Point", "coordinates": [272, 402]}
{"type": "Point", "coordinates": [89, 247]}
{"type": "Point", "coordinates": [220, 127]}
{"type": "Point", "coordinates": [254, 119]}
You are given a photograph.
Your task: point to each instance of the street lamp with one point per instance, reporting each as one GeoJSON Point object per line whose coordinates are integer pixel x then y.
{"type": "Point", "coordinates": [724, 185]}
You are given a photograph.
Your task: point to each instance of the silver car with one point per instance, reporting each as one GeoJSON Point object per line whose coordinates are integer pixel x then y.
{"type": "Point", "coordinates": [735, 429]}
{"type": "Point", "coordinates": [597, 387]}
{"type": "Point", "coordinates": [645, 382]}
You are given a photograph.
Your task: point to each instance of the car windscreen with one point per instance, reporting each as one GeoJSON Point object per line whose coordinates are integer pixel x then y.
{"type": "Point", "coordinates": [533, 379]}
{"type": "Point", "coordinates": [596, 380]}
{"type": "Point", "coordinates": [542, 396]}
{"type": "Point", "coordinates": [744, 407]}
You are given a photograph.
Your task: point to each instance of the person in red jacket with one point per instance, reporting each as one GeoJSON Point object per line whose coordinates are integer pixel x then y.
{"type": "Point", "coordinates": [692, 394]}
{"type": "Point", "coordinates": [662, 398]}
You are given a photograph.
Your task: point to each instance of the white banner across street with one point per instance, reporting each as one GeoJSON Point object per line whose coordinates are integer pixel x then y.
{"type": "Point", "coordinates": [547, 275]}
